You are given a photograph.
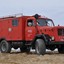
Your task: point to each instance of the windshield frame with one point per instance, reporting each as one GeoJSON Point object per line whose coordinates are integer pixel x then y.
{"type": "Point", "coordinates": [46, 19]}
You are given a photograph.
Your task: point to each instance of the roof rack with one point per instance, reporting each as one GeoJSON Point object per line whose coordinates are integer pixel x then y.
{"type": "Point", "coordinates": [12, 16]}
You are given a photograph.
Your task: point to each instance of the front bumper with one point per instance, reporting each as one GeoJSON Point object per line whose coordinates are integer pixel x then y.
{"type": "Point", "coordinates": [55, 43]}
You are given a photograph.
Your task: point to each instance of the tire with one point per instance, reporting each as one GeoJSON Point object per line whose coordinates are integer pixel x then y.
{"type": "Point", "coordinates": [40, 47]}
{"type": "Point", "coordinates": [61, 49]}
{"type": "Point", "coordinates": [5, 47]}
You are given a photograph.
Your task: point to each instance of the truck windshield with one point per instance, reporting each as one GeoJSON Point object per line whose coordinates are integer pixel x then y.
{"type": "Point", "coordinates": [45, 22]}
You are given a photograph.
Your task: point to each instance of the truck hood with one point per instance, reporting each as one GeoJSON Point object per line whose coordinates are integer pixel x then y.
{"type": "Point", "coordinates": [49, 30]}
{"type": "Point", "coordinates": [44, 28]}
{"type": "Point", "coordinates": [57, 32]}
{"type": "Point", "coordinates": [58, 27]}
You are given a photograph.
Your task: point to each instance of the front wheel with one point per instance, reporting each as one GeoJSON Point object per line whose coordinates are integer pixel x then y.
{"type": "Point", "coordinates": [5, 46]}
{"type": "Point", "coordinates": [40, 47]}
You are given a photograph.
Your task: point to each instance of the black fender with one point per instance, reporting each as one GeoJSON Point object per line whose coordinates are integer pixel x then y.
{"type": "Point", "coordinates": [39, 36]}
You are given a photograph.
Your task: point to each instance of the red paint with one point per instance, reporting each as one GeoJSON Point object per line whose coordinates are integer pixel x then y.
{"type": "Point", "coordinates": [23, 32]}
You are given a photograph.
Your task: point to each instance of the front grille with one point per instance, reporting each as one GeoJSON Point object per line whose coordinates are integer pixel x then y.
{"type": "Point", "coordinates": [61, 32]}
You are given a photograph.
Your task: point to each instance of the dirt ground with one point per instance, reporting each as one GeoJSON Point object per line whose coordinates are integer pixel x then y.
{"type": "Point", "coordinates": [16, 57]}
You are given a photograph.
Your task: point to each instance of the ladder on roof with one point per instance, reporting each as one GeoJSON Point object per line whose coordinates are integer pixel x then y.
{"type": "Point", "coordinates": [14, 15]}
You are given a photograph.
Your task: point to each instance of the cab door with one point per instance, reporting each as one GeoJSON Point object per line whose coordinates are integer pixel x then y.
{"type": "Point", "coordinates": [30, 30]}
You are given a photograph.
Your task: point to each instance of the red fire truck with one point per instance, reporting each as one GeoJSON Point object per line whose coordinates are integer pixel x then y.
{"type": "Point", "coordinates": [25, 32]}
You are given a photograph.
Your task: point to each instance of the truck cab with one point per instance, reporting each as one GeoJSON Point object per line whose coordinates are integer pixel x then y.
{"type": "Point", "coordinates": [42, 28]}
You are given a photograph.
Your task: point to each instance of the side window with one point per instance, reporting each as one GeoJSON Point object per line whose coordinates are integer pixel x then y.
{"type": "Point", "coordinates": [15, 22]}
{"type": "Point", "coordinates": [30, 23]}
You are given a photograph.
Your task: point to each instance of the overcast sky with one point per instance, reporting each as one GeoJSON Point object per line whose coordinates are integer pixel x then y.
{"type": "Point", "coordinates": [53, 9]}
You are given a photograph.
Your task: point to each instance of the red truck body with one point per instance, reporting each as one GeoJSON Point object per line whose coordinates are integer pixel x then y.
{"type": "Point", "coordinates": [15, 30]}
{"type": "Point", "coordinates": [10, 32]}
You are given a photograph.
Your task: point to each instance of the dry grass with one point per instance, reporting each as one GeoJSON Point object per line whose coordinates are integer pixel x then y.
{"type": "Point", "coordinates": [24, 58]}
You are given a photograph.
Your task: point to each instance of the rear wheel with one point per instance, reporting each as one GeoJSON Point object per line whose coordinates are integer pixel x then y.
{"type": "Point", "coordinates": [61, 49]}
{"type": "Point", "coordinates": [5, 46]}
{"type": "Point", "coordinates": [40, 47]}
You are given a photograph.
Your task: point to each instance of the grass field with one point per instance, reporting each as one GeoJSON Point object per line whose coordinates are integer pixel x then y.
{"type": "Point", "coordinates": [15, 57]}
